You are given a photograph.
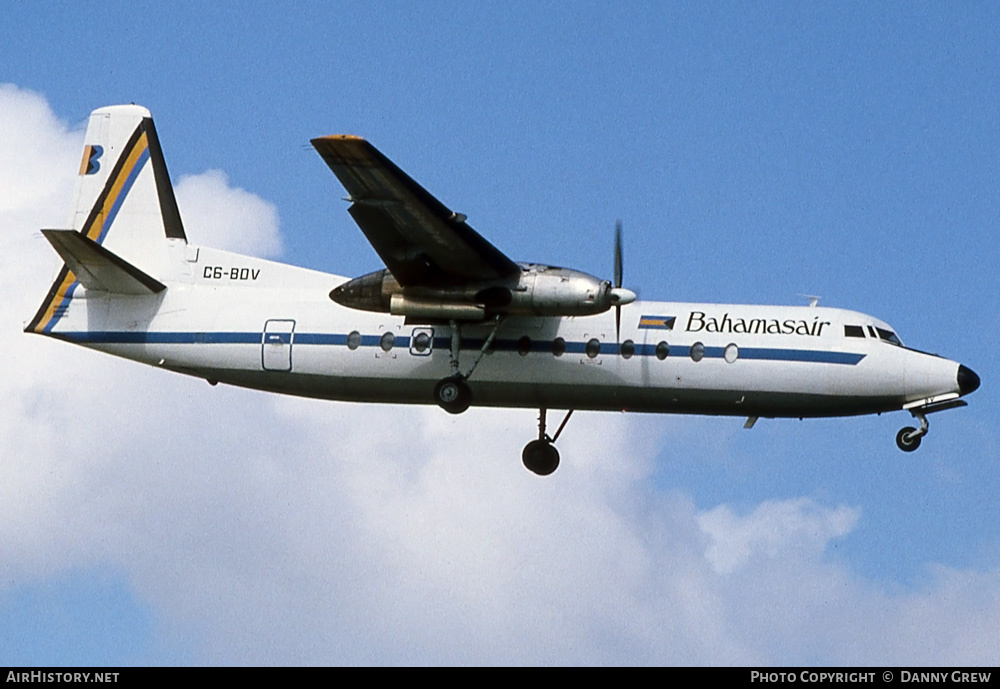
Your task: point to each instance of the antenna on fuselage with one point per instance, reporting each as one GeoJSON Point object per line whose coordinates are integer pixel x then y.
{"type": "Point", "coordinates": [813, 299]}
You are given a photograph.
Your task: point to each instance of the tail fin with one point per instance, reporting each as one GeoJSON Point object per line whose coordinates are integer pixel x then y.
{"type": "Point", "coordinates": [124, 202]}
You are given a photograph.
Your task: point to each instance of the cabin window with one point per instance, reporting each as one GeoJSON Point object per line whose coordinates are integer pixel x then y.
{"type": "Point", "coordinates": [593, 347]}
{"type": "Point", "coordinates": [628, 349]}
{"type": "Point", "coordinates": [558, 346]}
{"type": "Point", "coordinates": [662, 351]}
{"type": "Point", "coordinates": [697, 351]}
{"type": "Point", "coordinates": [854, 331]}
{"type": "Point", "coordinates": [387, 341]}
{"type": "Point", "coordinates": [421, 341]}
{"type": "Point", "coordinates": [731, 353]}
{"type": "Point", "coordinates": [354, 340]}
{"type": "Point", "coordinates": [524, 346]}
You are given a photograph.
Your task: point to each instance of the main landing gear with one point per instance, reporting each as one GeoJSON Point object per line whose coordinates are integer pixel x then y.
{"type": "Point", "coordinates": [540, 456]}
{"type": "Point", "coordinates": [454, 396]}
{"type": "Point", "coordinates": [452, 393]}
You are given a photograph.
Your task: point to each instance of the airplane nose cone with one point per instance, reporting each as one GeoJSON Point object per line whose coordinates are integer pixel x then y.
{"type": "Point", "coordinates": [968, 381]}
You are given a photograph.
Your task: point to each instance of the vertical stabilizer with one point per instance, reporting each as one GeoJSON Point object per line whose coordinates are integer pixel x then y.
{"type": "Point", "coordinates": [124, 202]}
{"type": "Point", "coordinates": [123, 179]}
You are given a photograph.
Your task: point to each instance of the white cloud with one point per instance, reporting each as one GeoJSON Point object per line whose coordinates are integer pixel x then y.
{"type": "Point", "coordinates": [274, 530]}
{"type": "Point", "coordinates": [774, 529]}
{"type": "Point", "coordinates": [224, 217]}
{"type": "Point", "coordinates": [40, 155]}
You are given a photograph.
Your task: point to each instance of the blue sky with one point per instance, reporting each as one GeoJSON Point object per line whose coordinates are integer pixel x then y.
{"type": "Point", "coordinates": [754, 152]}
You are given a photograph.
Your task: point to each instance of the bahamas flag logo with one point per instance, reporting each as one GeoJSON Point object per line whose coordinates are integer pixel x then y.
{"type": "Point", "coordinates": [657, 322]}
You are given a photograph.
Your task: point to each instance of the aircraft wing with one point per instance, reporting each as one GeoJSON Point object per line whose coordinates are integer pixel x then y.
{"type": "Point", "coordinates": [421, 241]}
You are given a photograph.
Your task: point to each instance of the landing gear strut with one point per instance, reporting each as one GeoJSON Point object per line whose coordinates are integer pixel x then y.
{"type": "Point", "coordinates": [908, 439]}
{"type": "Point", "coordinates": [452, 393]}
{"type": "Point", "coordinates": [540, 456]}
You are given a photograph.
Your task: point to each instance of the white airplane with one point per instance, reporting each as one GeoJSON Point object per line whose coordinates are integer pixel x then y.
{"type": "Point", "coordinates": [451, 320]}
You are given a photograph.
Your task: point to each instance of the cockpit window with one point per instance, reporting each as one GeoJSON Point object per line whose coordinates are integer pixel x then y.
{"type": "Point", "coordinates": [889, 336]}
{"type": "Point", "coordinates": [878, 333]}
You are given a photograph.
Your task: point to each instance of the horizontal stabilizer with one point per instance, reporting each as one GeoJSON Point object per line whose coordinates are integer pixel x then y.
{"type": "Point", "coordinates": [97, 268]}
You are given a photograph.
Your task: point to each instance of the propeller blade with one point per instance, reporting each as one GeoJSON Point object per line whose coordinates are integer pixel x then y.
{"type": "Point", "coordinates": [618, 279]}
{"type": "Point", "coordinates": [618, 254]}
{"type": "Point", "coordinates": [618, 294]}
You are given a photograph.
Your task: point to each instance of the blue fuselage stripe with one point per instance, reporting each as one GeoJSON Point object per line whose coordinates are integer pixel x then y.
{"type": "Point", "coordinates": [120, 337]}
{"type": "Point", "coordinates": [443, 343]}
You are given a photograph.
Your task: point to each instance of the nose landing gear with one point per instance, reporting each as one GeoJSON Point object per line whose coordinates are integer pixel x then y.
{"type": "Point", "coordinates": [908, 439]}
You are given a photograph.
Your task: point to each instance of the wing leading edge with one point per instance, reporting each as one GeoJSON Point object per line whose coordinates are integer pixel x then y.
{"type": "Point", "coordinates": [422, 242]}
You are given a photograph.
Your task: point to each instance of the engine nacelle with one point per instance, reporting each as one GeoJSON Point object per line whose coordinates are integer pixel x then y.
{"type": "Point", "coordinates": [561, 292]}
{"type": "Point", "coordinates": [537, 291]}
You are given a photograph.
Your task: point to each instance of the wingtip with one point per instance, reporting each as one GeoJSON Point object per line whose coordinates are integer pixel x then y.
{"type": "Point", "coordinates": [339, 137]}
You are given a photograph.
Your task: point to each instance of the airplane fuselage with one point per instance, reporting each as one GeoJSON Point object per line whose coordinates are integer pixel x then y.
{"type": "Point", "coordinates": [259, 324]}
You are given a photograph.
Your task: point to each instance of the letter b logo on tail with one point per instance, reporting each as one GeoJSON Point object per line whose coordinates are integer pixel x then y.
{"type": "Point", "coordinates": [91, 160]}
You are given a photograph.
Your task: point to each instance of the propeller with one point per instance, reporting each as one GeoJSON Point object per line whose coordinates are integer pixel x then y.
{"type": "Point", "coordinates": [619, 295]}
{"type": "Point", "coordinates": [618, 253]}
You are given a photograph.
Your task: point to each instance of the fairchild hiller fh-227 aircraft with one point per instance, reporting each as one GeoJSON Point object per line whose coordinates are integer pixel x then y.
{"type": "Point", "coordinates": [450, 320]}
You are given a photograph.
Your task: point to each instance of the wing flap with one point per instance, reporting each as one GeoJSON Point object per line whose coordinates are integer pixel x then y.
{"type": "Point", "coordinates": [97, 268]}
{"type": "Point", "coordinates": [421, 241]}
